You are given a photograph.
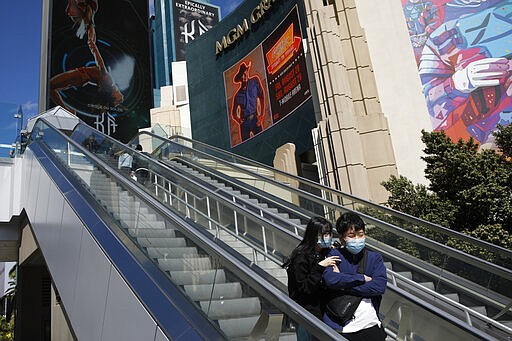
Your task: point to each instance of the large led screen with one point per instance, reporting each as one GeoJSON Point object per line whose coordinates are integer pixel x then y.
{"type": "Point", "coordinates": [99, 63]}
{"type": "Point", "coordinates": [267, 84]}
{"type": "Point", "coordinates": [463, 50]}
{"type": "Point", "coordinates": [191, 19]}
{"type": "Point", "coordinates": [248, 81]}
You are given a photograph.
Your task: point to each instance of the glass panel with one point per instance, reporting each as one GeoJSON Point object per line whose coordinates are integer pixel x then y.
{"type": "Point", "coordinates": [238, 306]}
{"type": "Point", "coordinates": [300, 199]}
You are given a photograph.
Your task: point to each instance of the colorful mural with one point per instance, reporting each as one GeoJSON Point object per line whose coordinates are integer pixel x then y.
{"type": "Point", "coordinates": [463, 49]}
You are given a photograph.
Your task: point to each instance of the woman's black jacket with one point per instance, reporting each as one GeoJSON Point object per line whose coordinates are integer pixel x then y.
{"type": "Point", "coordinates": [305, 285]}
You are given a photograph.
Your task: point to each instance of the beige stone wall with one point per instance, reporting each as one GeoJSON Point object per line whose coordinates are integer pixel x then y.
{"type": "Point", "coordinates": [352, 140]}
{"type": "Point", "coordinates": [172, 118]}
{"type": "Point", "coordinates": [398, 83]}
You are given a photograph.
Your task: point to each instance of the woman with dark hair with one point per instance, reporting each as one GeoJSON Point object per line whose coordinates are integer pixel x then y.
{"type": "Point", "coordinates": [305, 267]}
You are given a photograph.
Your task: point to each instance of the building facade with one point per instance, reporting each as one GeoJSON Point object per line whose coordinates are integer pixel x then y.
{"type": "Point", "coordinates": [328, 107]}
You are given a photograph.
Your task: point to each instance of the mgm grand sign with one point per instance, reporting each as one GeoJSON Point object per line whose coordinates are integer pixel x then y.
{"type": "Point", "coordinates": [240, 30]}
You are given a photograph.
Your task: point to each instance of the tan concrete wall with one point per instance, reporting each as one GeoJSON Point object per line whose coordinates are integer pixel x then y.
{"type": "Point", "coordinates": [352, 136]}
{"type": "Point", "coordinates": [397, 81]}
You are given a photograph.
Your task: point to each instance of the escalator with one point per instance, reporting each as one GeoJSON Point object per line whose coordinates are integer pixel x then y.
{"type": "Point", "coordinates": [466, 286]}
{"type": "Point", "coordinates": [127, 266]}
{"type": "Point", "coordinates": [240, 230]}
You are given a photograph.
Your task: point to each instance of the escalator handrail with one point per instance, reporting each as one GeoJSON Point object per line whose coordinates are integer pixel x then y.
{"type": "Point", "coordinates": [471, 259]}
{"type": "Point", "coordinates": [154, 299]}
{"type": "Point", "coordinates": [264, 288]}
{"type": "Point", "coordinates": [489, 246]}
{"type": "Point", "coordinates": [208, 243]}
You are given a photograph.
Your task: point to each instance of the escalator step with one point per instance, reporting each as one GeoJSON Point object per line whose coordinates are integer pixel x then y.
{"type": "Point", "coordinates": [453, 297]}
{"type": "Point", "coordinates": [429, 285]}
{"type": "Point", "coordinates": [202, 292]}
{"type": "Point", "coordinates": [198, 277]}
{"type": "Point", "coordinates": [161, 242]}
{"type": "Point", "coordinates": [231, 308]}
{"type": "Point", "coordinates": [406, 274]}
{"type": "Point", "coordinates": [166, 253]}
{"type": "Point", "coordinates": [238, 327]}
{"type": "Point", "coordinates": [186, 264]}
{"type": "Point", "coordinates": [152, 232]}
{"type": "Point", "coordinates": [480, 309]}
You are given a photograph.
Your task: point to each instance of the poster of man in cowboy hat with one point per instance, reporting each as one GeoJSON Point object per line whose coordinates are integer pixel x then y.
{"type": "Point", "coordinates": [247, 101]}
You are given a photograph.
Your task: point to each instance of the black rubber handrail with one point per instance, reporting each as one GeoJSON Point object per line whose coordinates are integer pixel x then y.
{"type": "Point", "coordinates": [259, 284]}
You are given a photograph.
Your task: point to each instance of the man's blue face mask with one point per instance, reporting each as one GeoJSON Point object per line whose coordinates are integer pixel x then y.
{"type": "Point", "coordinates": [355, 245]}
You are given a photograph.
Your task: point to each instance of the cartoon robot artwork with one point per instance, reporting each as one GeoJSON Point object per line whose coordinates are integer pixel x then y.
{"type": "Point", "coordinates": [422, 19]}
{"type": "Point", "coordinates": [466, 70]}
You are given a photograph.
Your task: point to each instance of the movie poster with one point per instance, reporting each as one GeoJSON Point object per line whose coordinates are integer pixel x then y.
{"type": "Point", "coordinates": [285, 64]}
{"type": "Point", "coordinates": [191, 19]}
{"type": "Point", "coordinates": [247, 97]}
{"type": "Point", "coordinates": [463, 51]}
{"type": "Point", "coordinates": [99, 63]}
{"type": "Point", "coordinates": [267, 84]}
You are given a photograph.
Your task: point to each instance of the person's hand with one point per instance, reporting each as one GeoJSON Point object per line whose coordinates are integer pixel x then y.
{"type": "Point", "coordinates": [367, 278]}
{"type": "Point", "coordinates": [329, 261]}
{"type": "Point", "coordinates": [479, 73]}
{"type": "Point", "coordinates": [335, 268]}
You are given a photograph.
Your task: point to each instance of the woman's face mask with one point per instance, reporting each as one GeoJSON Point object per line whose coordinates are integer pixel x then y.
{"type": "Point", "coordinates": [325, 241]}
{"type": "Point", "coordinates": [355, 245]}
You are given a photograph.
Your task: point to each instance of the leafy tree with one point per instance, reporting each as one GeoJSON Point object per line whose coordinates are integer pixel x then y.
{"type": "Point", "coordinates": [470, 190]}
{"type": "Point", "coordinates": [503, 138]}
{"type": "Point", "coordinates": [7, 320]}
{"type": "Point", "coordinates": [418, 201]}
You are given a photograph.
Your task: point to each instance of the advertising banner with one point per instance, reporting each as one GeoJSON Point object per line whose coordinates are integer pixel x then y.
{"type": "Point", "coordinates": [99, 63]}
{"type": "Point", "coordinates": [267, 84]}
{"type": "Point", "coordinates": [463, 51]}
{"type": "Point", "coordinates": [191, 19]}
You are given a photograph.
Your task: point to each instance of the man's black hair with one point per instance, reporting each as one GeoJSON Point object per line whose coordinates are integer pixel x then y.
{"type": "Point", "coordinates": [347, 221]}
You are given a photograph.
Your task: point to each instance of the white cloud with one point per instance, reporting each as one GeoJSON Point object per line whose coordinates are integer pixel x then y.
{"type": "Point", "coordinates": [30, 109]}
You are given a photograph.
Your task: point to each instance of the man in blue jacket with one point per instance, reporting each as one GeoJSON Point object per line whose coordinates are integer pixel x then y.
{"type": "Point", "coordinates": [248, 103]}
{"type": "Point", "coordinates": [345, 279]}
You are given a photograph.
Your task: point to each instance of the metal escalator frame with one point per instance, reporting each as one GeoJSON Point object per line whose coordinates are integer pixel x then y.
{"type": "Point", "coordinates": [439, 247]}
{"type": "Point", "coordinates": [481, 263]}
{"type": "Point", "coordinates": [222, 198]}
{"type": "Point", "coordinates": [152, 287]}
{"type": "Point", "coordinates": [257, 282]}
{"type": "Point", "coordinates": [486, 245]}
{"type": "Point", "coordinates": [467, 311]}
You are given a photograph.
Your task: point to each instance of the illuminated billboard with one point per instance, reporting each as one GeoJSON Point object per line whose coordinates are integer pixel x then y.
{"type": "Point", "coordinates": [248, 82]}
{"type": "Point", "coordinates": [99, 63]}
{"type": "Point", "coordinates": [267, 84]}
{"type": "Point", "coordinates": [463, 52]}
{"type": "Point", "coordinates": [191, 19]}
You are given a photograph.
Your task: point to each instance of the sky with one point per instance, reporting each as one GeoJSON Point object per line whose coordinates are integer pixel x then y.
{"type": "Point", "coordinates": [20, 36]}
{"type": "Point", "coordinates": [20, 42]}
